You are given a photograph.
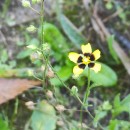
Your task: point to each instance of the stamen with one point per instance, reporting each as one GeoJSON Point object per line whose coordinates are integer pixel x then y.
{"type": "Point", "coordinates": [86, 60]}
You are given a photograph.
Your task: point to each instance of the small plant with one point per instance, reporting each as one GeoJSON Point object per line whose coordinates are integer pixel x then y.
{"type": "Point", "coordinates": [83, 60]}
{"type": "Point", "coordinates": [63, 100]}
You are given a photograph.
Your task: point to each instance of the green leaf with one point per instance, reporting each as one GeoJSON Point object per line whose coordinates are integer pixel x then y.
{"type": "Point", "coordinates": [44, 117]}
{"type": "Point", "coordinates": [109, 5]}
{"type": "Point", "coordinates": [34, 42]}
{"type": "Point", "coordinates": [114, 125]}
{"type": "Point", "coordinates": [119, 125]}
{"type": "Point", "coordinates": [24, 54]}
{"type": "Point", "coordinates": [117, 101]}
{"type": "Point", "coordinates": [56, 40]}
{"type": "Point", "coordinates": [64, 73]}
{"type": "Point", "coordinates": [106, 106]}
{"type": "Point", "coordinates": [99, 115]}
{"type": "Point", "coordinates": [126, 103]}
{"type": "Point", "coordinates": [71, 31]}
{"type": "Point", "coordinates": [3, 124]}
{"type": "Point", "coordinates": [19, 73]}
{"type": "Point", "coordinates": [112, 51]}
{"type": "Point", "coordinates": [105, 77]}
{"type": "Point", "coordinates": [54, 37]}
{"type": "Point", "coordinates": [4, 56]}
{"type": "Point", "coordinates": [122, 106]}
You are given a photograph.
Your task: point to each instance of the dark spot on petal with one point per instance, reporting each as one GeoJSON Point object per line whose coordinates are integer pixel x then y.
{"type": "Point", "coordinates": [79, 59]}
{"type": "Point", "coordinates": [91, 65]}
{"type": "Point", "coordinates": [87, 54]}
{"type": "Point", "coordinates": [82, 66]}
{"type": "Point", "coordinates": [92, 58]}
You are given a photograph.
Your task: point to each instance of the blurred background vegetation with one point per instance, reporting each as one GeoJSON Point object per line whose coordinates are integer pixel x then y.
{"type": "Point", "coordinates": [67, 25]}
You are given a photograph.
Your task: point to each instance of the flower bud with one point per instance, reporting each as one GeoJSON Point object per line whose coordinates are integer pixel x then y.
{"type": "Point", "coordinates": [30, 72]}
{"type": "Point", "coordinates": [31, 28]}
{"type": "Point", "coordinates": [83, 125]}
{"type": "Point", "coordinates": [106, 106]}
{"type": "Point", "coordinates": [30, 105]}
{"type": "Point", "coordinates": [60, 123]}
{"type": "Point", "coordinates": [38, 1]}
{"type": "Point", "coordinates": [60, 108]}
{"type": "Point", "coordinates": [75, 76]}
{"type": "Point", "coordinates": [46, 48]}
{"type": "Point", "coordinates": [50, 73]}
{"type": "Point", "coordinates": [49, 94]}
{"type": "Point", "coordinates": [32, 47]}
{"type": "Point", "coordinates": [26, 3]}
{"type": "Point", "coordinates": [74, 90]}
{"type": "Point", "coordinates": [34, 1]}
{"type": "Point", "coordinates": [42, 67]}
{"type": "Point", "coordinates": [34, 56]}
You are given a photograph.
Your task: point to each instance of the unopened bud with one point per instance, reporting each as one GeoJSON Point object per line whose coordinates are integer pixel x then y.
{"type": "Point", "coordinates": [83, 125]}
{"type": "Point", "coordinates": [74, 90]}
{"type": "Point", "coordinates": [75, 76]}
{"type": "Point", "coordinates": [106, 106]}
{"type": "Point", "coordinates": [49, 94]}
{"type": "Point", "coordinates": [30, 105]}
{"type": "Point", "coordinates": [30, 72]}
{"type": "Point", "coordinates": [34, 1]}
{"type": "Point", "coordinates": [42, 68]}
{"type": "Point", "coordinates": [26, 3]}
{"type": "Point", "coordinates": [50, 73]}
{"type": "Point", "coordinates": [31, 28]}
{"type": "Point", "coordinates": [60, 108]}
{"type": "Point", "coordinates": [38, 1]}
{"type": "Point", "coordinates": [33, 47]}
{"type": "Point", "coordinates": [60, 123]}
{"type": "Point", "coordinates": [34, 56]}
{"type": "Point", "coordinates": [46, 48]}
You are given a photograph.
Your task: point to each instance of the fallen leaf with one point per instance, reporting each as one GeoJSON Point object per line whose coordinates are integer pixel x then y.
{"type": "Point", "coordinates": [10, 88]}
{"type": "Point", "coordinates": [43, 117]}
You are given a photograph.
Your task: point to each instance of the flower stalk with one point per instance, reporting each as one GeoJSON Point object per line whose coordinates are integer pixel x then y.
{"type": "Point", "coordinates": [86, 59]}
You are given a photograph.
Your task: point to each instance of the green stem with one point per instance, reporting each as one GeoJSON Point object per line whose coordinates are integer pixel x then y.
{"type": "Point", "coordinates": [63, 82]}
{"type": "Point", "coordinates": [87, 92]}
{"type": "Point", "coordinates": [34, 10]}
{"type": "Point", "coordinates": [5, 7]}
{"type": "Point", "coordinates": [14, 113]}
{"type": "Point", "coordinates": [42, 42]}
{"type": "Point", "coordinates": [88, 88]}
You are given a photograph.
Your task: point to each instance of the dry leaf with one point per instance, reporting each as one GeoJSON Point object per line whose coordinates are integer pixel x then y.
{"type": "Point", "coordinates": [10, 88]}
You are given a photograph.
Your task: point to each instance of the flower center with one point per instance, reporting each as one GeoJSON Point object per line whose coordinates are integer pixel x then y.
{"type": "Point", "coordinates": [85, 60]}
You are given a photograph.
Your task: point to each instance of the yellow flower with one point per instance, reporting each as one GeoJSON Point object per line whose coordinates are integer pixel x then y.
{"type": "Point", "coordinates": [87, 58]}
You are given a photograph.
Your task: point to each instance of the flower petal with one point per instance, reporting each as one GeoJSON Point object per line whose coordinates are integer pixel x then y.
{"type": "Point", "coordinates": [73, 56]}
{"type": "Point", "coordinates": [97, 54]}
{"type": "Point", "coordinates": [97, 67]}
{"type": "Point", "coordinates": [86, 48]}
{"type": "Point", "coordinates": [77, 70]}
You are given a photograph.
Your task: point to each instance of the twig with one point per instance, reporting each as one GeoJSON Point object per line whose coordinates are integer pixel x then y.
{"type": "Point", "coordinates": [113, 15]}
